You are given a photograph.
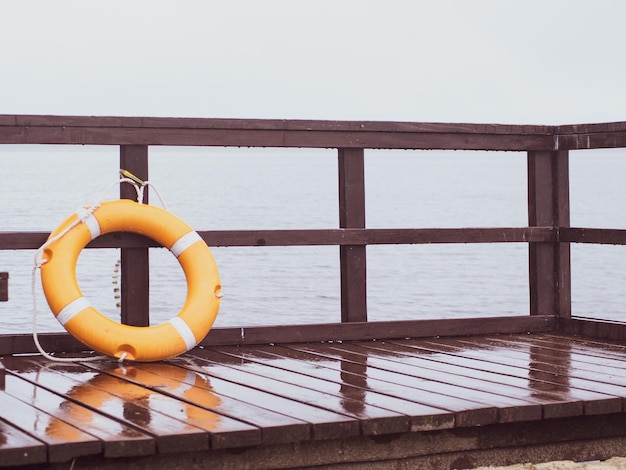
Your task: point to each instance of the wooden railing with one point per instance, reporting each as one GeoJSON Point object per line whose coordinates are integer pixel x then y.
{"type": "Point", "coordinates": [548, 233]}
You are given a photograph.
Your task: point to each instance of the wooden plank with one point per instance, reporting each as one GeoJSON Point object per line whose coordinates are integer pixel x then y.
{"type": "Point", "coordinates": [316, 237]}
{"type": "Point", "coordinates": [175, 426]}
{"type": "Point", "coordinates": [4, 287]}
{"type": "Point", "coordinates": [556, 402]}
{"type": "Point", "coordinates": [118, 440]}
{"type": "Point", "coordinates": [593, 235]}
{"type": "Point", "coordinates": [265, 426]}
{"type": "Point", "coordinates": [324, 424]}
{"type": "Point", "coordinates": [596, 135]}
{"type": "Point", "coordinates": [23, 343]}
{"type": "Point", "coordinates": [350, 381]}
{"type": "Point", "coordinates": [271, 133]}
{"type": "Point", "coordinates": [64, 442]}
{"type": "Point", "coordinates": [597, 399]}
{"type": "Point", "coordinates": [377, 330]}
{"type": "Point", "coordinates": [135, 262]}
{"type": "Point", "coordinates": [373, 420]}
{"type": "Point", "coordinates": [600, 369]}
{"type": "Point", "coordinates": [18, 448]}
{"type": "Point", "coordinates": [352, 258]}
{"type": "Point", "coordinates": [472, 401]}
{"type": "Point", "coordinates": [586, 346]}
{"type": "Point", "coordinates": [23, 120]}
{"type": "Point", "coordinates": [312, 361]}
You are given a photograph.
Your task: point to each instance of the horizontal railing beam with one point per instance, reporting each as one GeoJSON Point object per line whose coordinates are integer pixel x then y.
{"type": "Point", "coordinates": [600, 236]}
{"type": "Point", "coordinates": [372, 236]}
{"type": "Point", "coordinates": [271, 133]}
{"type": "Point", "coordinates": [23, 343]}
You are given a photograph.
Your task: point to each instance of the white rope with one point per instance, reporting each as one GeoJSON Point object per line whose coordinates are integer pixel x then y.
{"type": "Point", "coordinates": [83, 215]}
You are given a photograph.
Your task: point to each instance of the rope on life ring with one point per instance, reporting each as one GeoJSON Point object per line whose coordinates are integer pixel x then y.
{"type": "Point", "coordinates": [88, 325]}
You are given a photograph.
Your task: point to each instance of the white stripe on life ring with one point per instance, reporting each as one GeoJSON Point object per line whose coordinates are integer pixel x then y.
{"type": "Point", "coordinates": [184, 242]}
{"type": "Point", "coordinates": [72, 309]}
{"type": "Point", "coordinates": [90, 221]}
{"type": "Point", "coordinates": [184, 331]}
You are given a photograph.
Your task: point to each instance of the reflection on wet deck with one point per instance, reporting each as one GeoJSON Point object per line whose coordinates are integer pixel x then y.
{"type": "Point", "coordinates": [238, 397]}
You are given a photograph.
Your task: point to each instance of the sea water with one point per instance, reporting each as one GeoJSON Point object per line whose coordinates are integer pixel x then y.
{"type": "Point", "coordinates": [247, 189]}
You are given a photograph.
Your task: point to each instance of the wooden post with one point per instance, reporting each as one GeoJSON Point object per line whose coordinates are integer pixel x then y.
{"type": "Point", "coordinates": [548, 205]}
{"type": "Point", "coordinates": [4, 287]}
{"type": "Point", "coordinates": [135, 278]}
{"type": "Point", "coordinates": [352, 215]}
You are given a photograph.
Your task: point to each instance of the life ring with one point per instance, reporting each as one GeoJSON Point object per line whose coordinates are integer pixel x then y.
{"type": "Point", "coordinates": [88, 325]}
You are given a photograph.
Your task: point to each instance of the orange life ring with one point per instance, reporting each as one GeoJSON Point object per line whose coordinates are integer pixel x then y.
{"type": "Point", "coordinates": [88, 325]}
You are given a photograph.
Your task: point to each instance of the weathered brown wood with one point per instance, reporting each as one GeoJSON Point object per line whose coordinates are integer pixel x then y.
{"type": "Point", "coordinates": [405, 374]}
{"type": "Point", "coordinates": [64, 441]}
{"type": "Point", "coordinates": [602, 329]}
{"type": "Point", "coordinates": [123, 402]}
{"type": "Point", "coordinates": [261, 426]}
{"type": "Point", "coordinates": [352, 258]}
{"type": "Point", "coordinates": [367, 236]}
{"type": "Point", "coordinates": [324, 424]}
{"type": "Point", "coordinates": [18, 448]}
{"type": "Point", "coordinates": [118, 440]}
{"type": "Point", "coordinates": [543, 375]}
{"type": "Point", "coordinates": [378, 330]}
{"type": "Point", "coordinates": [350, 383]}
{"type": "Point", "coordinates": [593, 235]}
{"type": "Point", "coordinates": [4, 287]}
{"type": "Point", "coordinates": [548, 204]}
{"type": "Point", "coordinates": [357, 373]}
{"type": "Point", "coordinates": [372, 419]}
{"type": "Point", "coordinates": [206, 396]}
{"type": "Point", "coordinates": [593, 347]}
{"type": "Point", "coordinates": [587, 136]}
{"type": "Point", "coordinates": [135, 267]}
{"type": "Point", "coordinates": [554, 401]}
{"type": "Point", "coordinates": [271, 133]}
{"type": "Point", "coordinates": [23, 343]}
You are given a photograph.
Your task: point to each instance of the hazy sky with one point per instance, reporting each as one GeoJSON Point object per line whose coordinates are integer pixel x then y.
{"type": "Point", "coordinates": [524, 61]}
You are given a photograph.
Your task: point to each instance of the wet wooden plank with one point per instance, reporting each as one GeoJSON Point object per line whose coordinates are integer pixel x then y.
{"type": "Point", "coordinates": [467, 413]}
{"type": "Point", "coordinates": [615, 353]}
{"type": "Point", "coordinates": [253, 425]}
{"type": "Point", "coordinates": [603, 370]}
{"type": "Point", "coordinates": [597, 398]}
{"type": "Point", "coordinates": [64, 442]}
{"type": "Point", "coordinates": [508, 409]}
{"type": "Point", "coordinates": [347, 378]}
{"type": "Point", "coordinates": [557, 402]}
{"type": "Point", "coordinates": [117, 439]}
{"type": "Point", "coordinates": [175, 426]}
{"type": "Point", "coordinates": [581, 354]}
{"type": "Point", "coordinates": [324, 424]}
{"type": "Point", "coordinates": [18, 448]}
{"type": "Point", "coordinates": [373, 419]}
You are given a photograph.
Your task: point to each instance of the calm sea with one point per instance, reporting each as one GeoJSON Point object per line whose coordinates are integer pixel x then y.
{"type": "Point", "coordinates": [222, 188]}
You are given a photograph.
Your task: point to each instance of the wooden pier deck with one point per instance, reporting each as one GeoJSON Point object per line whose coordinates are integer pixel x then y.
{"type": "Point", "coordinates": [445, 393]}
{"type": "Point", "coordinates": [419, 403]}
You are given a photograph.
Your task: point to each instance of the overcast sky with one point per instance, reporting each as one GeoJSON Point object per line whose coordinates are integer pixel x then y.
{"type": "Point", "coordinates": [523, 61]}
